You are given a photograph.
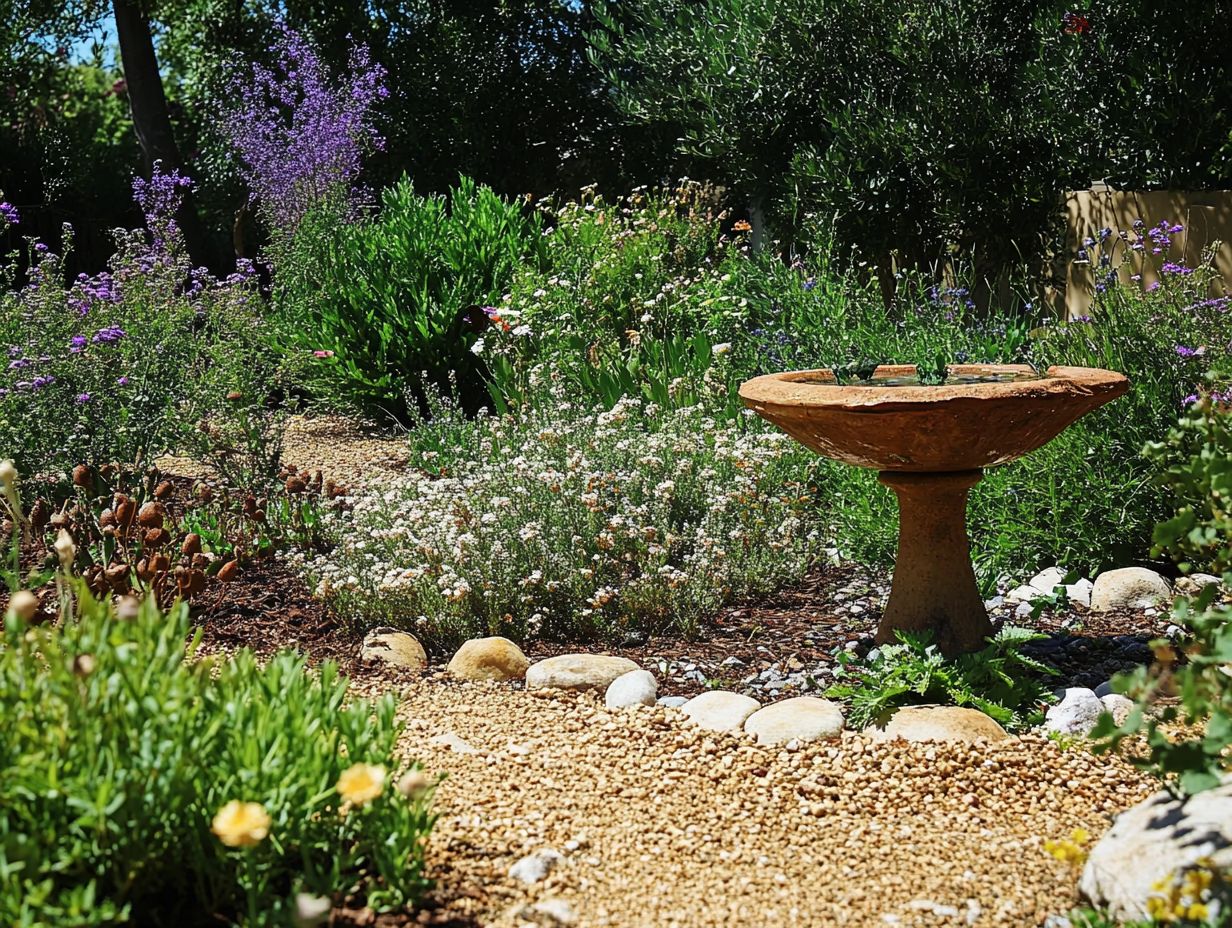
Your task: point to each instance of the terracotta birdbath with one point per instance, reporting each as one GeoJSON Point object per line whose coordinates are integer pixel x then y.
{"type": "Point", "coordinates": [931, 445]}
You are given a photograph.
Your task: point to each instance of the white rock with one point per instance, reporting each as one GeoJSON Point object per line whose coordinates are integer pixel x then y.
{"type": "Point", "coordinates": [1080, 591]}
{"type": "Point", "coordinates": [803, 718]}
{"type": "Point", "coordinates": [1117, 706]}
{"type": "Point", "coordinates": [1075, 714]}
{"type": "Point", "coordinates": [577, 672]}
{"type": "Point", "coordinates": [535, 867]}
{"type": "Point", "coordinates": [1128, 588]}
{"type": "Point", "coordinates": [1023, 610]}
{"type": "Point", "coordinates": [1047, 580]}
{"type": "Point", "coordinates": [1152, 841]}
{"type": "Point", "coordinates": [1022, 594]}
{"type": "Point", "coordinates": [454, 742]}
{"type": "Point", "coordinates": [394, 647]}
{"type": "Point", "coordinates": [635, 688]}
{"type": "Point", "coordinates": [719, 710]}
{"type": "Point", "coordinates": [551, 911]}
{"type": "Point", "coordinates": [1194, 584]}
{"type": "Point", "coordinates": [673, 702]}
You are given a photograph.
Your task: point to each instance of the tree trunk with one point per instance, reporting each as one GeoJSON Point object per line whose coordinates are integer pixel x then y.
{"type": "Point", "coordinates": [151, 117]}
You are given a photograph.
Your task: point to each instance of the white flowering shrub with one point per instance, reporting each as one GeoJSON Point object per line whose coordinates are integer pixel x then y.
{"type": "Point", "coordinates": [571, 522]}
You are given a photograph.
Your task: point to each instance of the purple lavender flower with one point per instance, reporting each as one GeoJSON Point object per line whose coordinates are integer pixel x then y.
{"type": "Point", "coordinates": [82, 398]}
{"type": "Point", "coordinates": [44, 381]}
{"type": "Point", "coordinates": [160, 198]}
{"type": "Point", "coordinates": [300, 134]}
{"type": "Point", "coordinates": [8, 213]}
{"type": "Point", "coordinates": [77, 344]}
{"type": "Point", "coordinates": [1184, 352]}
{"type": "Point", "coordinates": [19, 364]}
{"type": "Point", "coordinates": [122, 381]}
{"type": "Point", "coordinates": [108, 335]}
{"type": "Point", "coordinates": [1190, 400]}
{"type": "Point", "coordinates": [1172, 267]}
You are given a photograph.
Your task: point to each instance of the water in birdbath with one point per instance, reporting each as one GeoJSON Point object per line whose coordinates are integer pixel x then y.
{"type": "Point", "coordinates": [826, 378]}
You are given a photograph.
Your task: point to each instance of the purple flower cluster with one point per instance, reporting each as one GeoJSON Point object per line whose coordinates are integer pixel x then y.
{"type": "Point", "coordinates": [300, 134]}
{"type": "Point", "coordinates": [108, 335]}
{"type": "Point", "coordinates": [1184, 352]}
{"type": "Point", "coordinates": [160, 198]}
{"type": "Point", "coordinates": [1172, 267]}
{"type": "Point", "coordinates": [8, 213]}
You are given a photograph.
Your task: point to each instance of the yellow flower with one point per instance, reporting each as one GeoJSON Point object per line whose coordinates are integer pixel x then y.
{"type": "Point", "coordinates": [241, 824]}
{"type": "Point", "coordinates": [1070, 850]}
{"type": "Point", "coordinates": [361, 783]}
{"type": "Point", "coordinates": [1197, 912]}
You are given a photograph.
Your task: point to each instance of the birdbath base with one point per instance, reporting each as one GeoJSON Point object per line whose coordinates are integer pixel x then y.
{"type": "Point", "coordinates": [934, 585]}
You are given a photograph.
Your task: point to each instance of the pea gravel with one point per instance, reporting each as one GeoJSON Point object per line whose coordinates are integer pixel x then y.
{"type": "Point", "coordinates": [661, 824]}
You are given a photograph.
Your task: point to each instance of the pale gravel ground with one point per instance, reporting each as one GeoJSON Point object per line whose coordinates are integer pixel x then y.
{"type": "Point", "coordinates": [680, 827]}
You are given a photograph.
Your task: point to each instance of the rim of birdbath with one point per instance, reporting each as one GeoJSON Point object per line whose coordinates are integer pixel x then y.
{"type": "Point", "coordinates": [931, 444]}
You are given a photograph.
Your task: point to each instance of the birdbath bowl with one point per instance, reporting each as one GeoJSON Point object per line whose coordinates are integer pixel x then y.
{"type": "Point", "coordinates": [931, 445]}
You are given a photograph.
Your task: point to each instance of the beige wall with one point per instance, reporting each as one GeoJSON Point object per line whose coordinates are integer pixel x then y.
{"type": "Point", "coordinates": [1205, 214]}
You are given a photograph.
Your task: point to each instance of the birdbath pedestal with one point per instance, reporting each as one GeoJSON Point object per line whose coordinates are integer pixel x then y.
{"type": "Point", "coordinates": [931, 445]}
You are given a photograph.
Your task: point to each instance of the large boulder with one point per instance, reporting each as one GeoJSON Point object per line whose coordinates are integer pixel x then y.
{"type": "Point", "coordinates": [803, 718]}
{"type": "Point", "coordinates": [635, 688]}
{"type": "Point", "coordinates": [1153, 841]}
{"type": "Point", "coordinates": [1129, 588]}
{"type": "Point", "coordinates": [938, 723]}
{"type": "Point", "coordinates": [1075, 714]}
{"type": "Point", "coordinates": [719, 710]}
{"type": "Point", "coordinates": [488, 659]}
{"type": "Point", "coordinates": [577, 672]}
{"type": "Point", "coordinates": [394, 647]}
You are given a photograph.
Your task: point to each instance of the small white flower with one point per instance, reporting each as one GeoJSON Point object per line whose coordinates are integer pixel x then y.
{"type": "Point", "coordinates": [721, 349]}
{"type": "Point", "coordinates": [477, 348]}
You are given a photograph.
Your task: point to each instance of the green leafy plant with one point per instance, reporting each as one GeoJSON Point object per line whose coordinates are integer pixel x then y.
{"type": "Point", "coordinates": [374, 309]}
{"type": "Point", "coordinates": [1198, 469]}
{"type": "Point", "coordinates": [140, 783]}
{"type": "Point", "coordinates": [999, 679]}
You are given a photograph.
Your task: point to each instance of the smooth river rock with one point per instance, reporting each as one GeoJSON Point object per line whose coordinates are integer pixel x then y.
{"type": "Point", "coordinates": [719, 710]}
{"type": "Point", "coordinates": [577, 672]}
{"type": "Point", "coordinates": [1193, 584]}
{"type": "Point", "coordinates": [1129, 588]}
{"type": "Point", "coordinates": [635, 688]}
{"type": "Point", "coordinates": [803, 718]}
{"type": "Point", "coordinates": [1153, 840]}
{"type": "Point", "coordinates": [939, 723]}
{"type": "Point", "coordinates": [1118, 706]}
{"type": "Point", "coordinates": [488, 659]}
{"type": "Point", "coordinates": [394, 647]}
{"type": "Point", "coordinates": [1075, 714]}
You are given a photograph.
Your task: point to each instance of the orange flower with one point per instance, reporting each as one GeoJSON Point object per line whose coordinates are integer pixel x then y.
{"type": "Point", "coordinates": [741, 225]}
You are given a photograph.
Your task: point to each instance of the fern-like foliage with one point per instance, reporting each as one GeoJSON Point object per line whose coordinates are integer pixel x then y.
{"type": "Point", "coordinates": [999, 680]}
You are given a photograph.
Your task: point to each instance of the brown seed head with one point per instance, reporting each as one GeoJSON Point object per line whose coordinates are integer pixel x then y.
{"type": "Point", "coordinates": [191, 545]}
{"type": "Point", "coordinates": [228, 571]}
{"type": "Point", "coordinates": [151, 515]}
{"type": "Point", "coordinates": [82, 477]}
{"type": "Point", "coordinates": [163, 490]}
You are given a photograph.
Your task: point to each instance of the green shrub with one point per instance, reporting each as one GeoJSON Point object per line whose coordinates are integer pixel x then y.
{"type": "Point", "coordinates": [565, 521]}
{"type": "Point", "coordinates": [1196, 462]}
{"type": "Point", "coordinates": [122, 751]}
{"type": "Point", "coordinates": [998, 680]}
{"type": "Point", "coordinates": [373, 310]}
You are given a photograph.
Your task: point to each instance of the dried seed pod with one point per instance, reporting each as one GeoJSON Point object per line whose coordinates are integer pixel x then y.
{"type": "Point", "coordinates": [40, 514]}
{"type": "Point", "coordinates": [117, 577]}
{"type": "Point", "coordinates": [205, 492]}
{"type": "Point", "coordinates": [126, 512]}
{"type": "Point", "coordinates": [151, 515]}
{"type": "Point", "coordinates": [295, 485]}
{"type": "Point", "coordinates": [163, 490]}
{"type": "Point", "coordinates": [145, 570]}
{"type": "Point", "coordinates": [228, 571]}
{"type": "Point", "coordinates": [155, 537]}
{"type": "Point", "coordinates": [250, 505]}
{"type": "Point", "coordinates": [58, 520]}
{"type": "Point", "coordinates": [196, 582]}
{"type": "Point", "coordinates": [107, 517]}
{"type": "Point", "coordinates": [259, 516]}
{"type": "Point", "coordinates": [160, 563]}
{"type": "Point", "coordinates": [181, 581]}
{"type": "Point", "coordinates": [200, 561]}
{"type": "Point", "coordinates": [82, 477]}
{"type": "Point", "coordinates": [191, 545]}
{"type": "Point", "coordinates": [107, 471]}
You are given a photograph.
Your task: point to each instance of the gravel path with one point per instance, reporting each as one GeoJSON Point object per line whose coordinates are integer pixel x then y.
{"type": "Point", "coordinates": [661, 824]}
